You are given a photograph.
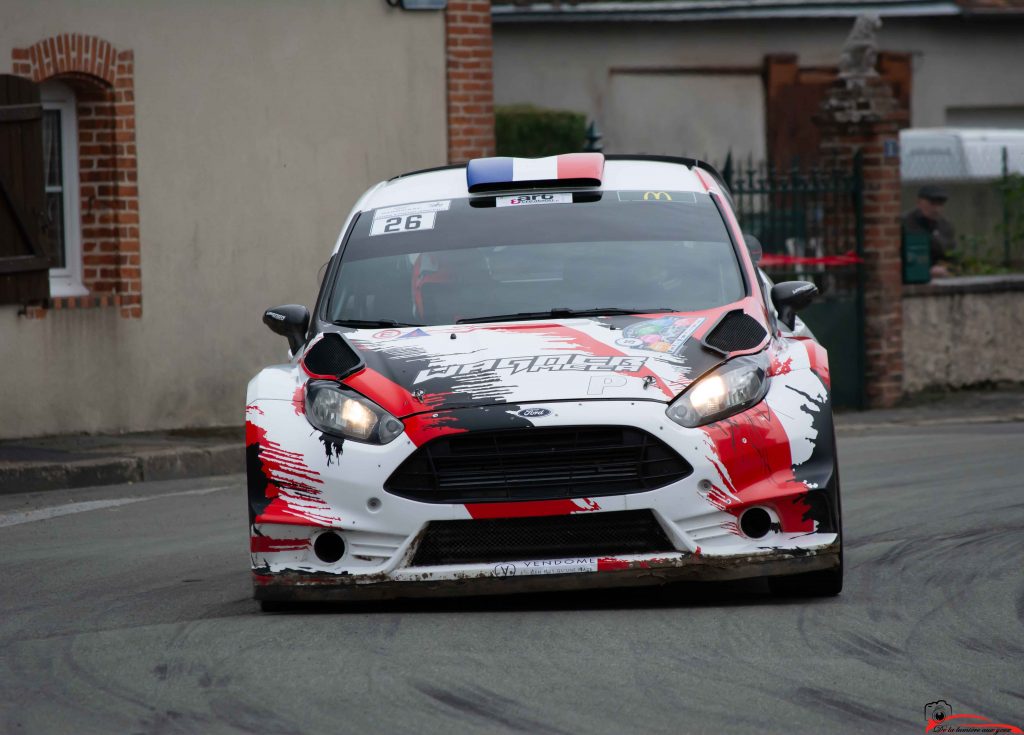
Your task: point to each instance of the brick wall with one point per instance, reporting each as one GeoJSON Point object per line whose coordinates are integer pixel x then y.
{"type": "Point", "coordinates": [103, 80]}
{"type": "Point", "coordinates": [862, 115]}
{"type": "Point", "coordinates": [470, 80]}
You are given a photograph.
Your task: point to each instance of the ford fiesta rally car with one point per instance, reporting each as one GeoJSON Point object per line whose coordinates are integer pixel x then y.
{"type": "Point", "coordinates": [526, 374]}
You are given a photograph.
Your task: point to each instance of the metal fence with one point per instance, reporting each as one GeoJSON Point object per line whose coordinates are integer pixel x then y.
{"type": "Point", "coordinates": [807, 218]}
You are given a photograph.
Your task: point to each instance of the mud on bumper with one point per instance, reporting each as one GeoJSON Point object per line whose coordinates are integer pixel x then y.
{"type": "Point", "coordinates": [518, 576]}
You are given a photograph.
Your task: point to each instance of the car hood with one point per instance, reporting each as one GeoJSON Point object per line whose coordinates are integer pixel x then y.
{"type": "Point", "coordinates": [643, 357]}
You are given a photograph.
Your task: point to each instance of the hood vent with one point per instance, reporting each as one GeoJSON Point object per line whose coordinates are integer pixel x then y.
{"type": "Point", "coordinates": [331, 357]}
{"type": "Point", "coordinates": [735, 332]}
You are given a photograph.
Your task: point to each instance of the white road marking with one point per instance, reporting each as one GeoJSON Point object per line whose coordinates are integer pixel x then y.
{"type": "Point", "coordinates": [45, 514]}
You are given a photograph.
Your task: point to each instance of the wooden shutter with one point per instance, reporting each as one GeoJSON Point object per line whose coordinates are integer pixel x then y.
{"type": "Point", "coordinates": [24, 263]}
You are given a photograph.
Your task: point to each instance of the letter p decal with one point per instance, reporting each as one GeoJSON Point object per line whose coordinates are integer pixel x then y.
{"type": "Point", "coordinates": [600, 383]}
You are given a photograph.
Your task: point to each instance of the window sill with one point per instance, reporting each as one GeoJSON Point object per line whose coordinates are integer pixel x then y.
{"type": "Point", "coordinates": [63, 289]}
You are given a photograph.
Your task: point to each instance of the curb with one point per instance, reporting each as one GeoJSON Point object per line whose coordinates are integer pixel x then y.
{"type": "Point", "coordinates": [937, 421]}
{"type": "Point", "coordinates": [171, 464]}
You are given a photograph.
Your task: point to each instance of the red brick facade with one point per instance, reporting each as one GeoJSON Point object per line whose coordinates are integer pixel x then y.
{"type": "Point", "coordinates": [103, 80]}
{"type": "Point", "coordinates": [470, 86]}
{"type": "Point", "coordinates": [863, 115]}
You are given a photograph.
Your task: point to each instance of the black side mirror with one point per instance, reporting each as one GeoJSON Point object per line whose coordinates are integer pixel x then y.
{"type": "Point", "coordinates": [291, 321]}
{"type": "Point", "coordinates": [754, 246]}
{"type": "Point", "coordinates": [789, 297]}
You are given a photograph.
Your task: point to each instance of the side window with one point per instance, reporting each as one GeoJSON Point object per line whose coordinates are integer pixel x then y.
{"type": "Point", "coordinates": [62, 224]}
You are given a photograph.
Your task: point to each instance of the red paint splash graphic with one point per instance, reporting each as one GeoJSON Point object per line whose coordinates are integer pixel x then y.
{"type": "Point", "coordinates": [756, 467]}
{"type": "Point", "coordinates": [299, 400]}
{"type": "Point", "coordinates": [780, 368]}
{"type": "Point", "coordinates": [253, 408]}
{"type": "Point", "coordinates": [610, 564]}
{"type": "Point", "coordinates": [423, 427]}
{"type": "Point", "coordinates": [291, 484]}
{"type": "Point", "coordinates": [818, 359]}
{"type": "Point", "coordinates": [266, 544]}
{"type": "Point", "coordinates": [528, 509]}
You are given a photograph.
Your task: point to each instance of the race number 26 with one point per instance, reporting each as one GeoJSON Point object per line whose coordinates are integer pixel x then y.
{"type": "Point", "coordinates": [402, 223]}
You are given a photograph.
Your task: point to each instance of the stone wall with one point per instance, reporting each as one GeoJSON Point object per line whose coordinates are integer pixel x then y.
{"type": "Point", "coordinates": [959, 332]}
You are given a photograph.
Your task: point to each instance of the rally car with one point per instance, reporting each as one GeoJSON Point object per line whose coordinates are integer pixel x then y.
{"type": "Point", "coordinates": [537, 374]}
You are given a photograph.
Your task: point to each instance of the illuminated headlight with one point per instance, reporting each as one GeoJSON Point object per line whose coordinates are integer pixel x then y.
{"type": "Point", "coordinates": [341, 412]}
{"type": "Point", "coordinates": [735, 386]}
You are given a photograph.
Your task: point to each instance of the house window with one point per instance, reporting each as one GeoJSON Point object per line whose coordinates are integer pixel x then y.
{"type": "Point", "coordinates": [62, 224]}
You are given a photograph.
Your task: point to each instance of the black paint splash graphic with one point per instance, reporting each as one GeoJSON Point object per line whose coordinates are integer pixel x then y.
{"type": "Point", "coordinates": [819, 473]}
{"type": "Point", "coordinates": [333, 447]}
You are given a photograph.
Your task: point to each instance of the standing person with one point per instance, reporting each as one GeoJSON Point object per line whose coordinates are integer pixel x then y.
{"type": "Point", "coordinates": [926, 218]}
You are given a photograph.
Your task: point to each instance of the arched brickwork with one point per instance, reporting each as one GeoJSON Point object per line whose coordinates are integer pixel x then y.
{"type": "Point", "coordinates": [103, 79]}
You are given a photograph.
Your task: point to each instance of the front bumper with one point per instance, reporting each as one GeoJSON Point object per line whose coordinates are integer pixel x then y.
{"type": "Point", "coordinates": [519, 577]}
{"type": "Point", "coordinates": [778, 456]}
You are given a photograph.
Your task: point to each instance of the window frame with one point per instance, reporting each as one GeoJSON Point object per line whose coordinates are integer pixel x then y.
{"type": "Point", "coordinates": [67, 281]}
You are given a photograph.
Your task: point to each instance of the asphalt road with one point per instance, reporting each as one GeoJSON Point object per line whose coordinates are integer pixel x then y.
{"type": "Point", "coordinates": [137, 618]}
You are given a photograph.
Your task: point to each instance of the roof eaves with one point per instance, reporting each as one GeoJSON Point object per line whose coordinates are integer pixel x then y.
{"type": "Point", "coordinates": [697, 10]}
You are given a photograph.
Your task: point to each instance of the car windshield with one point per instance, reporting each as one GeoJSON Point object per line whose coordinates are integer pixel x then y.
{"type": "Point", "coordinates": [443, 261]}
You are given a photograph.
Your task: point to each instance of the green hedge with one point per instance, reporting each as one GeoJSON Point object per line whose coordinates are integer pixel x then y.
{"type": "Point", "coordinates": [528, 131]}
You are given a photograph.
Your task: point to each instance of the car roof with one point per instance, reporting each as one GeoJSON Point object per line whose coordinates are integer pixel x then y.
{"type": "Point", "coordinates": [646, 174]}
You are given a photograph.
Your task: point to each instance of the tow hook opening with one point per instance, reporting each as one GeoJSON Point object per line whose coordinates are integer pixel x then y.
{"type": "Point", "coordinates": [755, 522]}
{"type": "Point", "coordinates": [329, 547]}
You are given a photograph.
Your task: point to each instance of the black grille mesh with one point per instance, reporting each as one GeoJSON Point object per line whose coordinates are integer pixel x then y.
{"type": "Point", "coordinates": [737, 331]}
{"type": "Point", "coordinates": [548, 537]}
{"type": "Point", "coordinates": [537, 464]}
{"type": "Point", "coordinates": [331, 356]}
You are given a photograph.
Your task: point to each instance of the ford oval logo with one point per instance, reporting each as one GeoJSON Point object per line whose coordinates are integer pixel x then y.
{"type": "Point", "coordinates": [531, 413]}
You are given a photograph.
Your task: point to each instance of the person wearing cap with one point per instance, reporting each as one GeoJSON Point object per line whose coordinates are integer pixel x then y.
{"type": "Point", "coordinates": [926, 218]}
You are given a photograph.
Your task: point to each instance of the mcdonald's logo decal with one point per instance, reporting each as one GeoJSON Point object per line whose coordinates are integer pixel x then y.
{"type": "Point", "coordinates": [676, 197]}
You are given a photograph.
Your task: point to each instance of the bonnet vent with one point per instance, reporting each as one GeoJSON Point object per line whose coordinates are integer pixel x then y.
{"type": "Point", "coordinates": [330, 356]}
{"type": "Point", "coordinates": [737, 331]}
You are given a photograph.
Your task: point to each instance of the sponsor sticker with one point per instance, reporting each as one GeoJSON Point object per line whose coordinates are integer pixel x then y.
{"type": "Point", "coordinates": [665, 334]}
{"type": "Point", "coordinates": [536, 364]}
{"type": "Point", "coordinates": [654, 195]}
{"type": "Point", "coordinates": [520, 200]}
{"type": "Point", "coordinates": [545, 566]}
{"type": "Point", "coordinates": [440, 205]}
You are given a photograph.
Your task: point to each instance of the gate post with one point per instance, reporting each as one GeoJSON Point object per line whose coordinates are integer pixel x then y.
{"type": "Point", "coordinates": [861, 115]}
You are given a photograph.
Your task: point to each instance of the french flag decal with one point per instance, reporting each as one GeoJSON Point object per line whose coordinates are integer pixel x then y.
{"type": "Point", "coordinates": [503, 173]}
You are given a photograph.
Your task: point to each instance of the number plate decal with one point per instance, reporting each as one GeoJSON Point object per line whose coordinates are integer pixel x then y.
{"type": "Point", "coordinates": [400, 223]}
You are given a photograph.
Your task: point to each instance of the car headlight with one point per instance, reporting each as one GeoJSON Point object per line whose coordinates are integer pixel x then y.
{"type": "Point", "coordinates": [735, 386]}
{"type": "Point", "coordinates": [342, 412]}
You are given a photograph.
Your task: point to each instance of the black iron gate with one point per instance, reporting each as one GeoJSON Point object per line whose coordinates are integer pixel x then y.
{"type": "Point", "coordinates": [810, 223]}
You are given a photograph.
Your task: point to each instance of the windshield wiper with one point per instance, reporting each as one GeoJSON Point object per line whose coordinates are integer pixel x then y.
{"type": "Point", "coordinates": [368, 323]}
{"type": "Point", "coordinates": [562, 313]}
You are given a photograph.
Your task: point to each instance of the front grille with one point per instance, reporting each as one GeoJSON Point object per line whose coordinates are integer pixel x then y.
{"type": "Point", "coordinates": [737, 331]}
{"type": "Point", "coordinates": [548, 537]}
{"type": "Point", "coordinates": [537, 464]}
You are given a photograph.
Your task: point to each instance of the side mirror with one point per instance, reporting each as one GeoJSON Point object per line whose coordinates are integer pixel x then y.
{"type": "Point", "coordinates": [754, 246]}
{"type": "Point", "coordinates": [789, 297]}
{"type": "Point", "coordinates": [291, 321]}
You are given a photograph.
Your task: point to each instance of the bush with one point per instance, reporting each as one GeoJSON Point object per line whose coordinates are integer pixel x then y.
{"type": "Point", "coordinates": [530, 132]}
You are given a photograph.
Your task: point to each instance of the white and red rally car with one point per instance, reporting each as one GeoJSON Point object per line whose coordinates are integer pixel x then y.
{"type": "Point", "coordinates": [526, 374]}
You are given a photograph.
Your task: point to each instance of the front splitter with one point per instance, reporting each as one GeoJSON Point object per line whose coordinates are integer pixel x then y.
{"type": "Point", "coordinates": [494, 579]}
